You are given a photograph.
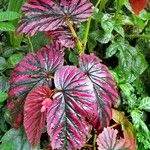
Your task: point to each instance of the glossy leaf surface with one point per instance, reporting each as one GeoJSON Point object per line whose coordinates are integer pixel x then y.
{"type": "Point", "coordinates": [138, 5]}
{"type": "Point", "coordinates": [34, 70]}
{"type": "Point", "coordinates": [72, 102]}
{"type": "Point", "coordinates": [34, 119]}
{"type": "Point", "coordinates": [104, 88]}
{"type": "Point", "coordinates": [49, 15]}
{"type": "Point", "coordinates": [108, 140]}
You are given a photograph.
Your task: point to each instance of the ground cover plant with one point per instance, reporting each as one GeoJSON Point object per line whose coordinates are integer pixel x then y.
{"type": "Point", "coordinates": [74, 74]}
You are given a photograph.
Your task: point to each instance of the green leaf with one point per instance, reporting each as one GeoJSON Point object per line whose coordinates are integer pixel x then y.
{"type": "Point", "coordinates": [127, 89]}
{"type": "Point", "coordinates": [16, 140]}
{"type": "Point", "coordinates": [15, 59]}
{"type": "Point", "coordinates": [4, 84]}
{"type": "Point", "coordinates": [3, 63]}
{"type": "Point", "coordinates": [138, 122]}
{"type": "Point", "coordinates": [6, 26]}
{"type": "Point", "coordinates": [3, 97]}
{"type": "Point", "coordinates": [112, 49]}
{"type": "Point", "coordinates": [145, 104]}
{"type": "Point", "coordinates": [8, 15]}
{"type": "Point", "coordinates": [73, 58]}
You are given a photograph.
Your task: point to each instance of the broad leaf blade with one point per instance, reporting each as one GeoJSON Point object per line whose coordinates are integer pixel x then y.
{"type": "Point", "coordinates": [104, 88]}
{"type": "Point", "coordinates": [34, 70]}
{"type": "Point", "coordinates": [73, 102]}
{"type": "Point", "coordinates": [8, 15]}
{"type": "Point", "coordinates": [34, 119]}
{"type": "Point", "coordinates": [138, 5]}
{"type": "Point", "coordinates": [108, 140]}
{"type": "Point", "coordinates": [44, 16]}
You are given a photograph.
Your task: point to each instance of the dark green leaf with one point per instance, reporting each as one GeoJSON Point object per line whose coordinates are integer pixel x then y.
{"type": "Point", "coordinates": [3, 63]}
{"type": "Point", "coordinates": [3, 96]}
{"type": "Point", "coordinates": [4, 84]}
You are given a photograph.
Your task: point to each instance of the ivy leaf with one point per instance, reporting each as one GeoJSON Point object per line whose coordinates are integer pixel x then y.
{"type": "Point", "coordinates": [49, 15]}
{"type": "Point", "coordinates": [63, 35]}
{"type": "Point", "coordinates": [108, 140]}
{"type": "Point", "coordinates": [145, 104]}
{"type": "Point", "coordinates": [34, 70]}
{"type": "Point", "coordinates": [104, 88]}
{"type": "Point", "coordinates": [138, 5]}
{"type": "Point", "coordinates": [72, 102]}
{"type": "Point", "coordinates": [34, 117]}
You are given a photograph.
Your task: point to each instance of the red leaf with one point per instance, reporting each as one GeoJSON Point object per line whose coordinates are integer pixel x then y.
{"type": "Point", "coordinates": [73, 102]}
{"type": "Point", "coordinates": [104, 88]}
{"type": "Point", "coordinates": [108, 140]}
{"type": "Point", "coordinates": [34, 119]}
{"type": "Point", "coordinates": [34, 70]}
{"type": "Point", "coordinates": [138, 5]}
{"type": "Point", "coordinates": [43, 15]}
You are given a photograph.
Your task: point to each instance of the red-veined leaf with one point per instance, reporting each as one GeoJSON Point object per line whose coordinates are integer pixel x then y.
{"type": "Point", "coordinates": [127, 128]}
{"type": "Point", "coordinates": [138, 5]}
{"type": "Point", "coordinates": [34, 70]}
{"type": "Point", "coordinates": [63, 35]}
{"type": "Point", "coordinates": [73, 102]}
{"type": "Point", "coordinates": [34, 119]}
{"type": "Point", "coordinates": [108, 140]}
{"type": "Point", "coordinates": [49, 15]}
{"type": "Point", "coordinates": [104, 88]}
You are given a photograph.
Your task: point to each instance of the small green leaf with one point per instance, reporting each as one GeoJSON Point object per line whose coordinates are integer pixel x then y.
{"type": "Point", "coordinates": [15, 59]}
{"type": "Point", "coordinates": [138, 122]}
{"type": "Point", "coordinates": [3, 97]}
{"type": "Point", "coordinates": [145, 104]}
{"type": "Point", "coordinates": [6, 26]}
{"type": "Point", "coordinates": [73, 58]}
{"type": "Point", "coordinates": [111, 50]}
{"type": "Point", "coordinates": [4, 84]}
{"type": "Point", "coordinates": [8, 15]}
{"type": "Point", "coordinates": [3, 63]}
{"type": "Point", "coordinates": [127, 89]}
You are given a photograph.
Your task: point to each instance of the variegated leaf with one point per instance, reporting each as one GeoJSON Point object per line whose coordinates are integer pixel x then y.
{"type": "Point", "coordinates": [34, 70]}
{"type": "Point", "coordinates": [34, 116]}
{"type": "Point", "coordinates": [43, 15]}
{"type": "Point", "coordinates": [107, 140]}
{"type": "Point", "coordinates": [63, 35]}
{"type": "Point", "coordinates": [104, 88]}
{"type": "Point", "coordinates": [71, 104]}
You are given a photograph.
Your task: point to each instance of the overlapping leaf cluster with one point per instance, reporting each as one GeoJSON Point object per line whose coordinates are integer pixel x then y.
{"type": "Point", "coordinates": [71, 100]}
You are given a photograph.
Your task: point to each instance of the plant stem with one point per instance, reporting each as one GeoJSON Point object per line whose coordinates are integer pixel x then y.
{"type": "Point", "coordinates": [31, 46]}
{"type": "Point", "coordinates": [115, 125]}
{"type": "Point", "coordinates": [85, 39]}
{"type": "Point", "coordinates": [88, 145]}
{"type": "Point", "coordinates": [138, 36]}
{"type": "Point", "coordinates": [94, 140]}
{"type": "Point", "coordinates": [78, 43]}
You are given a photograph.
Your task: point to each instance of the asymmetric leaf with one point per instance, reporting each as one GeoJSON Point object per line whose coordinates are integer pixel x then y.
{"type": "Point", "coordinates": [104, 88]}
{"type": "Point", "coordinates": [63, 35]}
{"type": "Point", "coordinates": [71, 104]}
{"type": "Point", "coordinates": [138, 5]}
{"type": "Point", "coordinates": [50, 15]}
{"type": "Point", "coordinates": [34, 70]}
{"type": "Point", "coordinates": [107, 140]}
{"type": "Point", "coordinates": [34, 119]}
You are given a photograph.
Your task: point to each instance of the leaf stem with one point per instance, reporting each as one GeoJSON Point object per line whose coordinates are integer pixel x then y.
{"type": "Point", "coordinates": [85, 39]}
{"type": "Point", "coordinates": [78, 43]}
{"type": "Point", "coordinates": [94, 140]}
{"type": "Point", "coordinates": [88, 145]}
{"type": "Point", "coordinates": [138, 36]}
{"type": "Point", "coordinates": [115, 125]}
{"type": "Point", "coordinates": [31, 46]}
